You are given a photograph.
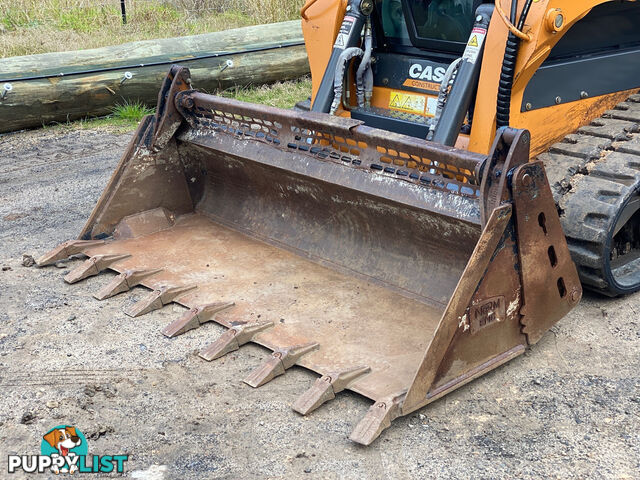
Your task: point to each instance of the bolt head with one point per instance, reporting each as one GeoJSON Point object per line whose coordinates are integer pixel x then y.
{"type": "Point", "coordinates": [526, 180]}
{"type": "Point", "coordinates": [187, 103]}
{"type": "Point", "coordinates": [7, 87]}
{"type": "Point", "coordinates": [366, 7]}
{"type": "Point", "coordinates": [528, 106]}
{"type": "Point", "coordinates": [558, 100]}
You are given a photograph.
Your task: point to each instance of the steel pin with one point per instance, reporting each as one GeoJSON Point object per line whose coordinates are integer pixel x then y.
{"type": "Point", "coordinates": [5, 90]}
{"type": "Point", "coordinates": [227, 64]}
{"type": "Point", "coordinates": [125, 77]}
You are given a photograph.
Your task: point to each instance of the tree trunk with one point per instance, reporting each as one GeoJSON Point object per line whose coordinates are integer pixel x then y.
{"type": "Point", "coordinates": [249, 56]}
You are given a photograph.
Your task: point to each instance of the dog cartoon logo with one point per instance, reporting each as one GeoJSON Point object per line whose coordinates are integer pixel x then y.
{"type": "Point", "coordinates": [67, 442]}
{"type": "Point", "coordinates": [64, 450]}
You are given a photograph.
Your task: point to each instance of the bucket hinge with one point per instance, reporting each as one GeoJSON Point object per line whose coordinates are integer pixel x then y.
{"type": "Point", "coordinates": [510, 149]}
{"type": "Point", "coordinates": [168, 118]}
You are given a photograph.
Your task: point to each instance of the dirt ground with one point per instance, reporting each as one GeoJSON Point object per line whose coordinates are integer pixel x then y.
{"type": "Point", "coordinates": [568, 408]}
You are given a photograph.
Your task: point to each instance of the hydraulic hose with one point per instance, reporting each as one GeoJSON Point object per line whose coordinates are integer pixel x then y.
{"type": "Point", "coordinates": [365, 64]}
{"type": "Point", "coordinates": [503, 112]}
{"type": "Point", "coordinates": [443, 94]}
{"type": "Point", "coordinates": [338, 82]}
{"type": "Point", "coordinates": [348, 36]}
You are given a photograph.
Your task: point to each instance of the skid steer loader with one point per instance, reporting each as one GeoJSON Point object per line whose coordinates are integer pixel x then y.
{"type": "Point", "coordinates": [401, 238]}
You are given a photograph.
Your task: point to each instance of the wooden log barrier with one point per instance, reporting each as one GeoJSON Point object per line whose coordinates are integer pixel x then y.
{"type": "Point", "coordinates": [65, 86]}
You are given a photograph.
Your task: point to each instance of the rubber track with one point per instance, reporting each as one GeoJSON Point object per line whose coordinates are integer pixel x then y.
{"type": "Point", "coordinates": [593, 172]}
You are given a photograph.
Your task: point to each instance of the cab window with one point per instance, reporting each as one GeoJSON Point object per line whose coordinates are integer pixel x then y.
{"type": "Point", "coordinates": [448, 20]}
{"type": "Point", "coordinates": [428, 23]}
{"type": "Point", "coordinates": [393, 21]}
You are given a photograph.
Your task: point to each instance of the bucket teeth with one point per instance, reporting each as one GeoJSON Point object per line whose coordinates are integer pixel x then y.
{"type": "Point", "coordinates": [326, 388]}
{"type": "Point", "coordinates": [233, 339]}
{"type": "Point", "coordinates": [124, 282]}
{"type": "Point", "coordinates": [195, 317]}
{"type": "Point", "coordinates": [157, 299]}
{"type": "Point", "coordinates": [65, 250]}
{"type": "Point", "coordinates": [93, 266]}
{"type": "Point", "coordinates": [378, 418]}
{"type": "Point", "coordinates": [280, 361]}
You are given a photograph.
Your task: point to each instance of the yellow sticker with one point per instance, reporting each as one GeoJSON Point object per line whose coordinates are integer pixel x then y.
{"type": "Point", "coordinates": [407, 102]}
{"type": "Point", "coordinates": [474, 41]}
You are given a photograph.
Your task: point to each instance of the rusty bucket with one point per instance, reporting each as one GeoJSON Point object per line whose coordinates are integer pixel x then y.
{"type": "Point", "coordinates": [391, 266]}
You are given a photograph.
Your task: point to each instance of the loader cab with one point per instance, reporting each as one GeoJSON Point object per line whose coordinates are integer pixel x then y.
{"type": "Point", "coordinates": [414, 43]}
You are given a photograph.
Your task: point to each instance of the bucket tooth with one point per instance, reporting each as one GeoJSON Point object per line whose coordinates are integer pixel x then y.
{"type": "Point", "coordinates": [65, 250]}
{"type": "Point", "coordinates": [326, 388]}
{"type": "Point", "coordinates": [93, 266]}
{"type": "Point", "coordinates": [379, 417]}
{"type": "Point", "coordinates": [280, 361]}
{"type": "Point", "coordinates": [157, 299]}
{"type": "Point", "coordinates": [233, 339]}
{"type": "Point", "coordinates": [195, 317]}
{"type": "Point", "coordinates": [124, 282]}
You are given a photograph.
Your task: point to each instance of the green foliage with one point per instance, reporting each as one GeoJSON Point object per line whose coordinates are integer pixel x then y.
{"type": "Point", "coordinates": [85, 19]}
{"type": "Point", "coordinates": [131, 112]}
{"type": "Point", "coordinates": [281, 94]}
{"type": "Point", "coordinates": [13, 18]}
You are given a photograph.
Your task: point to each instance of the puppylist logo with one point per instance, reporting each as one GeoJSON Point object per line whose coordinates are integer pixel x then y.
{"type": "Point", "coordinates": [64, 450]}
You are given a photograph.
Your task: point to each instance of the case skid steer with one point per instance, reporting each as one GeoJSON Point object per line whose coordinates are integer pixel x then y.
{"type": "Point", "coordinates": [402, 237]}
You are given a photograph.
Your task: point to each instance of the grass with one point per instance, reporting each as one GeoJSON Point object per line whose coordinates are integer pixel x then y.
{"type": "Point", "coordinates": [39, 26]}
{"type": "Point", "coordinates": [281, 94]}
{"type": "Point", "coordinates": [131, 112]}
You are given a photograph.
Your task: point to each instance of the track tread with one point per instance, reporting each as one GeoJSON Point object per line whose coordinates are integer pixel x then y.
{"type": "Point", "coordinates": [593, 172]}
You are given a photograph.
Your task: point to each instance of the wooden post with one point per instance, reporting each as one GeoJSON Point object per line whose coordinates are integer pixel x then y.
{"type": "Point", "coordinates": [256, 54]}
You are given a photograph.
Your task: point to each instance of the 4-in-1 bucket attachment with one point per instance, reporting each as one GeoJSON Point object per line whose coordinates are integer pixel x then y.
{"type": "Point", "coordinates": [391, 266]}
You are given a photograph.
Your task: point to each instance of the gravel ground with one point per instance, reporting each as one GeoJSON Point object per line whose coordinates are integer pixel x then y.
{"type": "Point", "coordinates": [568, 408]}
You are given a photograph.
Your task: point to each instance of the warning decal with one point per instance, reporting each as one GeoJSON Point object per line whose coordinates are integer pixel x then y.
{"type": "Point", "coordinates": [472, 52]}
{"type": "Point", "coordinates": [341, 41]}
{"type": "Point", "coordinates": [343, 34]}
{"type": "Point", "coordinates": [406, 102]}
